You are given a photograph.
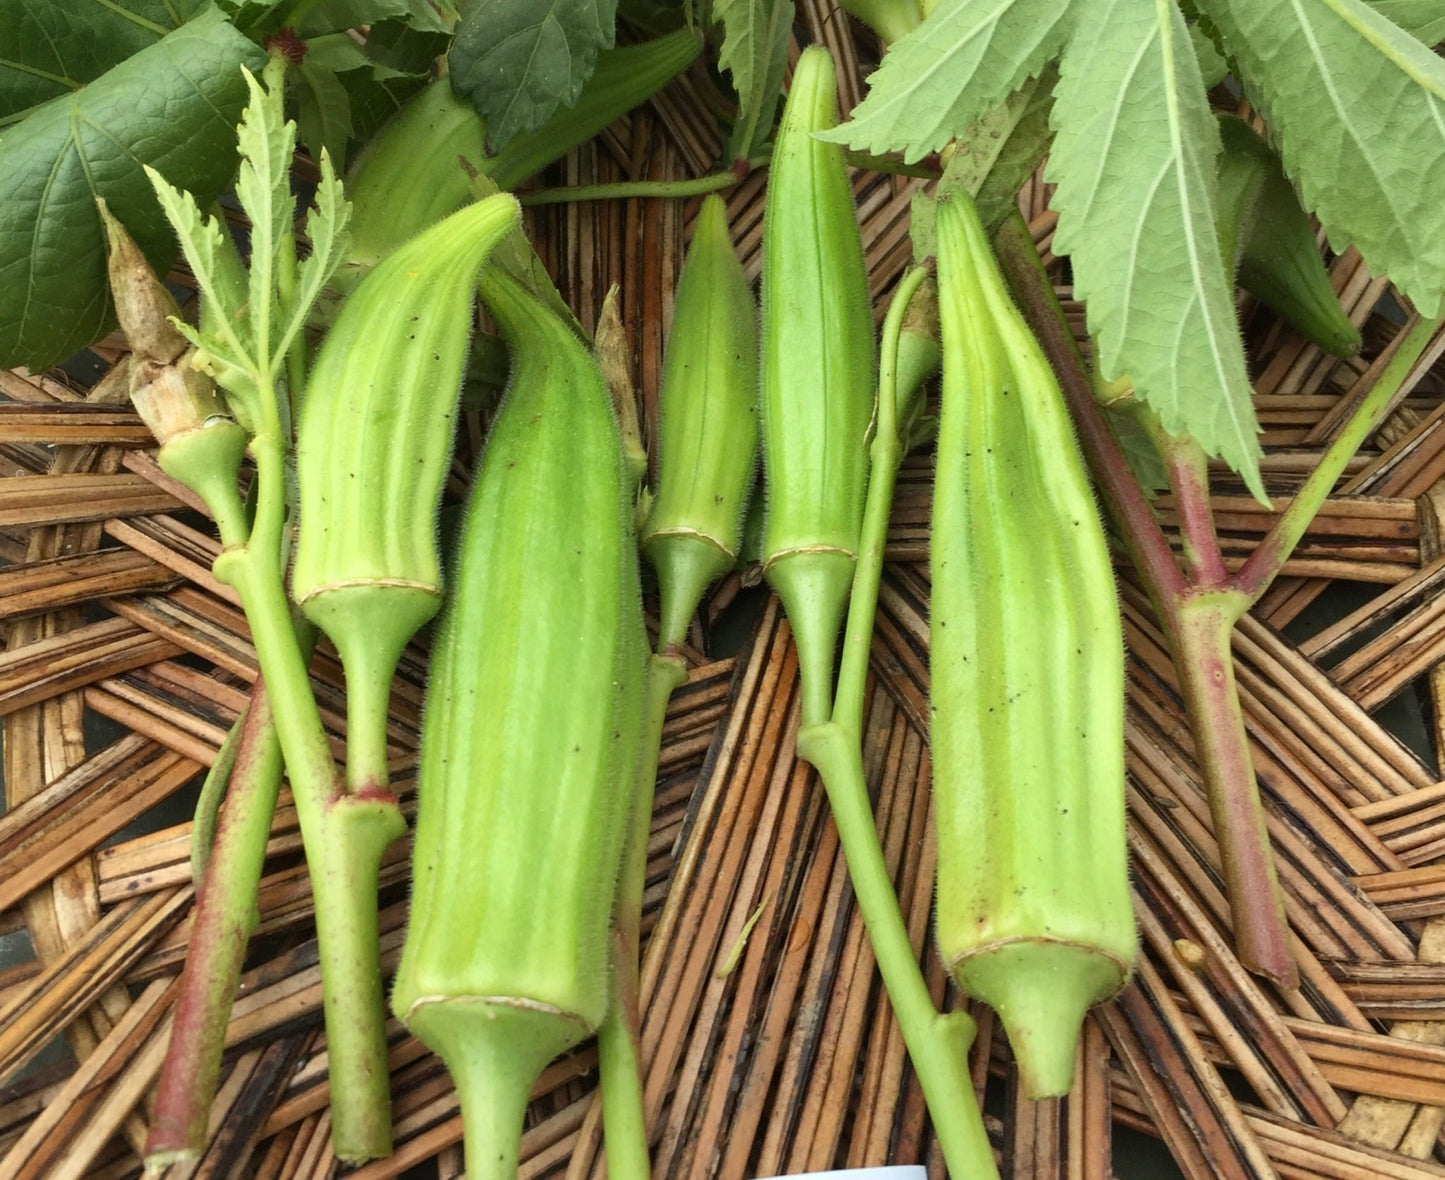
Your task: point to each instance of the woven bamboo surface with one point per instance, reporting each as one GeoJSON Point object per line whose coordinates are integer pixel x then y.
{"type": "Point", "coordinates": [767, 1041]}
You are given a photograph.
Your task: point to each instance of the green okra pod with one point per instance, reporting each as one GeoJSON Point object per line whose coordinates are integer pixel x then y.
{"type": "Point", "coordinates": [372, 451]}
{"type": "Point", "coordinates": [1027, 668]}
{"type": "Point", "coordinates": [708, 428]}
{"type": "Point", "coordinates": [816, 391]}
{"type": "Point", "coordinates": [1268, 241]}
{"type": "Point", "coordinates": [529, 741]}
{"type": "Point", "coordinates": [410, 175]}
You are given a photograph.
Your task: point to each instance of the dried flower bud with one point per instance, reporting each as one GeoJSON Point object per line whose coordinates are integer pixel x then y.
{"type": "Point", "coordinates": [142, 303]}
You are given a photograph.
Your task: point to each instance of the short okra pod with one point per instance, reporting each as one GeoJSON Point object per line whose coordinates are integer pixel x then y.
{"type": "Point", "coordinates": [373, 447]}
{"type": "Point", "coordinates": [708, 427]}
{"type": "Point", "coordinates": [1269, 242]}
{"type": "Point", "coordinates": [529, 741]}
{"type": "Point", "coordinates": [1027, 667]}
{"type": "Point", "coordinates": [816, 392]}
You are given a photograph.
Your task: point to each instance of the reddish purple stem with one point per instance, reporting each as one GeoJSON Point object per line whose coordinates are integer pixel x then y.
{"type": "Point", "coordinates": [1198, 613]}
{"type": "Point", "coordinates": [225, 916]}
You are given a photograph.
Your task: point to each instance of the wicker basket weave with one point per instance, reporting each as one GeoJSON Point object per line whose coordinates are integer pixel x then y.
{"type": "Point", "coordinates": [768, 1043]}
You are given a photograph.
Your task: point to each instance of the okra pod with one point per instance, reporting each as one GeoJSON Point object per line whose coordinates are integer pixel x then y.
{"type": "Point", "coordinates": [816, 391]}
{"type": "Point", "coordinates": [1268, 240]}
{"type": "Point", "coordinates": [708, 428]}
{"type": "Point", "coordinates": [410, 175]}
{"type": "Point", "coordinates": [529, 738]}
{"type": "Point", "coordinates": [1027, 669]}
{"type": "Point", "coordinates": [372, 451]}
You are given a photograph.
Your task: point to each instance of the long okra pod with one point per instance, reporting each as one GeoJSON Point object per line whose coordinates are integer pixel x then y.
{"type": "Point", "coordinates": [529, 740]}
{"type": "Point", "coordinates": [1027, 682]}
{"type": "Point", "coordinates": [816, 397]}
{"type": "Point", "coordinates": [816, 392]}
{"type": "Point", "coordinates": [372, 451]}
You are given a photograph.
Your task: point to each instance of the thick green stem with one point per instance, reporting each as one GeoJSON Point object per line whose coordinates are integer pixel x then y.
{"type": "Point", "coordinates": [624, 189]}
{"type": "Point", "coordinates": [937, 1042]}
{"type": "Point", "coordinates": [1269, 556]}
{"type": "Point", "coordinates": [1199, 629]}
{"type": "Point", "coordinates": [619, 1064]}
{"type": "Point", "coordinates": [344, 834]}
{"type": "Point", "coordinates": [884, 455]}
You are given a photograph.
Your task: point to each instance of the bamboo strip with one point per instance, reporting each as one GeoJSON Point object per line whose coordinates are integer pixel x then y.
{"type": "Point", "coordinates": [1261, 1045]}
{"type": "Point", "coordinates": [177, 547]}
{"type": "Point", "coordinates": [69, 984]}
{"type": "Point", "coordinates": [75, 813]}
{"type": "Point", "coordinates": [81, 422]}
{"type": "Point", "coordinates": [47, 668]}
{"type": "Point", "coordinates": [1182, 1091]}
{"type": "Point", "coordinates": [41, 587]}
{"type": "Point", "coordinates": [48, 1137]}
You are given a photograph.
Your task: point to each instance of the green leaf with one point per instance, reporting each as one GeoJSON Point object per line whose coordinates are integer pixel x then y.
{"type": "Point", "coordinates": [977, 150]}
{"type": "Point", "coordinates": [330, 15]}
{"type": "Point", "coordinates": [655, 17]}
{"type": "Point", "coordinates": [1358, 108]}
{"type": "Point", "coordinates": [970, 162]}
{"type": "Point", "coordinates": [1020, 155]}
{"type": "Point", "coordinates": [263, 186]}
{"type": "Point", "coordinates": [327, 227]}
{"type": "Point", "coordinates": [1422, 19]}
{"type": "Point", "coordinates": [49, 48]}
{"type": "Point", "coordinates": [519, 60]}
{"type": "Point", "coordinates": [433, 16]}
{"type": "Point", "coordinates": [173, 105]}
{"type": "Point", "coordinates": [375, 100]}
{"type": "Point", "coordinates": [1133, 159]}
{"type": "Point", "coordinates": [991, 161]}
{"type": "Point", "coordinates": [1212, 66]}
{"type": "Point", "coordinates": [334, 52]}
{"type": "Point", "coordinates": [212, 257]}
{"type": "Point", "coordinates": [964, 59]}
{"type": "Point", "coordinates": [426, 16]}
{"type": "Point", "coordinates": [323, 112]}
{"type": "Point", "coordinates": [1139, 450]}
{"type": "Point", "coordinates": [395, 49]}
{"type": "Point", "coordinates": [755, 52]}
